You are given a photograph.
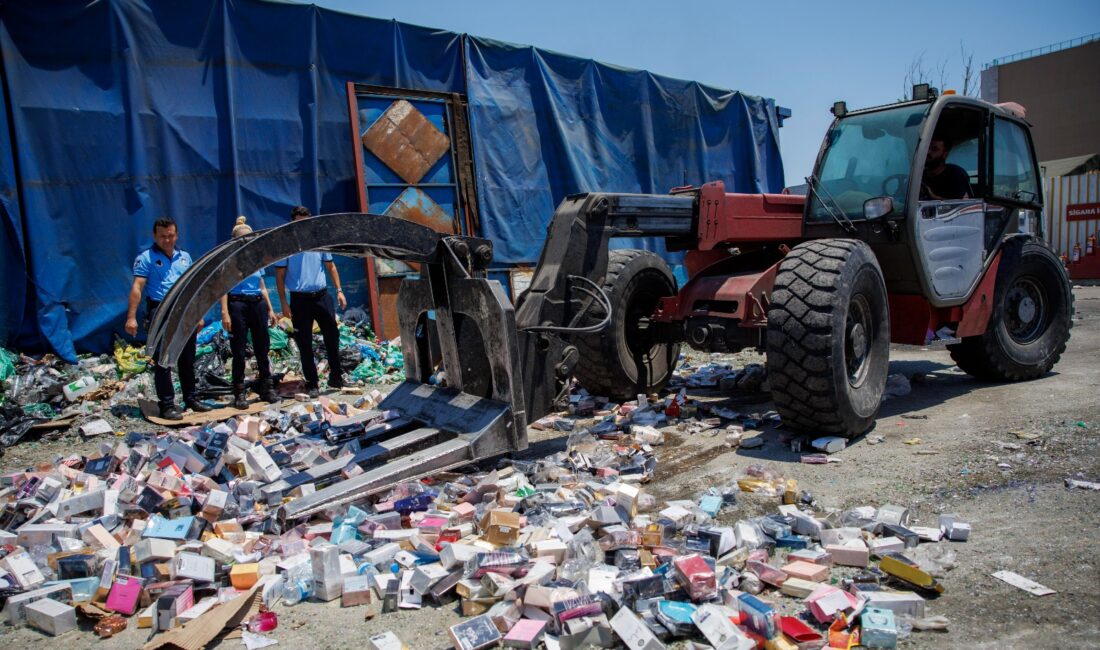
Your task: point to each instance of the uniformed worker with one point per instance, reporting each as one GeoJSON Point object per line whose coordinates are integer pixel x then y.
{"type": "Point", "coordinates": [246, 309]}
{"type": "Point", "coordinates": [156, 269]}
{"type": "Point", "coordinates": [304, 275]}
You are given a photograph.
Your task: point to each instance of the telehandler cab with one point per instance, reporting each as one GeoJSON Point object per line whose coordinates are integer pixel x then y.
{"type": "Point", "coordinates": [822, 282]}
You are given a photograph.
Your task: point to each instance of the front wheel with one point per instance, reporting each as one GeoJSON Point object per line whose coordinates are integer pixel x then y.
{"type": "Point", "coordinates": [615, 361]}
{"type": "Point", "coordinates": [828, 337]}
{"type": "Point", "coordinates": [1031, 319]}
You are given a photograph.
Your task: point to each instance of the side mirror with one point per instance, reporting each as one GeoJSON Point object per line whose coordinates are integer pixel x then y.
{"type": "Point", "coordinates": [878, 207]}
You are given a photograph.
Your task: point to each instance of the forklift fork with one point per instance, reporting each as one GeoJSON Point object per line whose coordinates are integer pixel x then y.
{"type": "Point", "coordinates": [478, 412]}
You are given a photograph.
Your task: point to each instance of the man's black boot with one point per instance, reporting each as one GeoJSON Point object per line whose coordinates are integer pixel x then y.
{"type": "Point", "coordinates": [240, 398]}
{"type": "Point", "coordinates": [171, 412]}
{"type": "Point", "coordinates": [267, 391]}
{"type": "Point", "coordinates": [195, 405]}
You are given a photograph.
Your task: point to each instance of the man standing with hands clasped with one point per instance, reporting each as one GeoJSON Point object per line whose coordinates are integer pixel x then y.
{"type": "Point", "coordinates": [156, 269]}
{"type": "Point", "coordinates": [310, 302]}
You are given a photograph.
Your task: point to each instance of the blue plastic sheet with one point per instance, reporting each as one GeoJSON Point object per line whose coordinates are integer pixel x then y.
{"type": "Point", "coordinates": [126, 110]}
{"type": "Point", "coordinates": [546, 125]}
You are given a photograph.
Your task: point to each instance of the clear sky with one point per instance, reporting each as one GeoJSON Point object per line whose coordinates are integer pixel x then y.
{"type": "Point", "coordinates": [805, 55]}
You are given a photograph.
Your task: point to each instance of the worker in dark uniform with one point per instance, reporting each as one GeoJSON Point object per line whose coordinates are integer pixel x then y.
{"type": "Point", "coordinates": [246, 309]}
{"type": "Point", "coordinates": [310, 302]}
{"type": "Point", "coordinates": [942, 180]}
{"type": "Point", "coordinates": [156, 269]}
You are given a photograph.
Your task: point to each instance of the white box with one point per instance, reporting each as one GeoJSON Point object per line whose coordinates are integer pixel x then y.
{"type": "Point", "coordinates": [260, 464]}
{"type": "Point", "coordinates": [715, 624]}
{"type": "Point", "coordinates": [15, 610]}
{"type": "Point", "coordinates": [23, 570]}
{"type": "Point", "coordinates": [51, 617]}
{"type": "Point", "coordinates": [456, 554]}
{"type": "Point", "coordinates": [194, 566]}
{"type": "Point", "coordinates": [633, 631]}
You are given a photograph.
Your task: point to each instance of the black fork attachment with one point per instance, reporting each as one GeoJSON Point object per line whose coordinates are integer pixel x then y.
{"type": "Point", "coordinates": [500, 369]}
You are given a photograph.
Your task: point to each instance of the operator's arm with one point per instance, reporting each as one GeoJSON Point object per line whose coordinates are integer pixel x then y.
{"type": "Point", "coordinates": [280, 286]}
{"type": "Point", "coordinates": [131, 307]}
{"type": "Point", "coordinates": [335, 275]}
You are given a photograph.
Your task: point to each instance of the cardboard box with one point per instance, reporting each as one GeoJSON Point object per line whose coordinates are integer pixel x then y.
{"type": "Point", "coordinates": [356, 591]}
{"type": "Point", "coordinates": [51, 617]}
{"type": "Point", "coordinates": [501, 527]}
{"type": "Point", "coordinates": [633, 631]}
{"type": "Point", "coordinates": [124, 594]}
{"type": "Point", "coordinates": [174, 601]}
{"type": "Point", "coordinates": [15, 609]}
{"type": "Point", "coordinates": [526, 633]}
{"type": "Point", "coordinates": [475, 633]}
{"type": "Point", "coordinates": [806, 571]}
{"type": "Point", "coordinates": [23, 570]}
{"type": "Point", "coordinates": [243, 576]}
{"type": "Point", "coordinates": [193, 566]}
{"type": "Point", "coordinates": [385, 641]}
{"type": "Point", "coordinates": [715, 624]}
{"type": "Point", "coordinates": [856, 555]}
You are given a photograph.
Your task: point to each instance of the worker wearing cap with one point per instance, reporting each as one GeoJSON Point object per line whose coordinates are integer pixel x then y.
{"type": "Point", "coordinates": [156, 270]}
{"type": "Point", "coordinates": [310, 302]}
{"type": "Point", "coordinates": [246, 309]}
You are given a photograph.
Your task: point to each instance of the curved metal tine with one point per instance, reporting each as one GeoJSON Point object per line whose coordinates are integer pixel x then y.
{"type": "Point", "coordinates": [211, 259]}
{"type": "Point", "coordinates": [373, 234]}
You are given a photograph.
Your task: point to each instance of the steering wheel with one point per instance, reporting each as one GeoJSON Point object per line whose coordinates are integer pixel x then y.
{"type": "Point", "coordinates": [900, 178]}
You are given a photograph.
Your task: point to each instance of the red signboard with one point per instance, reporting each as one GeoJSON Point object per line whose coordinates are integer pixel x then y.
{"type": "Point", "coordinates": [1082, 211]}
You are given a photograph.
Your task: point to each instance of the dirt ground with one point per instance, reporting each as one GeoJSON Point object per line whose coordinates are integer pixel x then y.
{"type": "Point", "coordinates": [1023, 518]}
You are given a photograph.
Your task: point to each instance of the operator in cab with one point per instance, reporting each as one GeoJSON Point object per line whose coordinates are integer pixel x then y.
{"type": "Point", "coordinates": [942, 180]}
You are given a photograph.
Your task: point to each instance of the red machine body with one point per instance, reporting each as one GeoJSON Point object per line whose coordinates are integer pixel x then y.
{"type": "Point", "coordinates": [742, 239]}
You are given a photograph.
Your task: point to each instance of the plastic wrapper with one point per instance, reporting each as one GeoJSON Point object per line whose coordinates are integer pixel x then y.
{"type": "Point", "coordinates": [934, 559]}
{"type": "Point", "coordinates": [696, 576]}
{"type": "Point", "coordinates": [109, 626]}
{"type": "Point", "coordinates": [129, 359]}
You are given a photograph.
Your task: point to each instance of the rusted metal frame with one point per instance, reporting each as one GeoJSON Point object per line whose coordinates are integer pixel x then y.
{"type": "Point", "coordinates": [364, 206]}
{"type": "Point", "coordinates": [465, 183]}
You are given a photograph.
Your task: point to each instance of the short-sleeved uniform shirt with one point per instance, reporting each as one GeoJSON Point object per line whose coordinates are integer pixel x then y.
{"type": "Point", "coordinates": [159, 270]}
{"type": "Point", "coordinates": [249, 286]}
{"type": "Point", "coordinates": [305, 272]}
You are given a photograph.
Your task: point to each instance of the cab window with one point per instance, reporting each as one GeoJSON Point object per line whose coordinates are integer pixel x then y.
{"type": "Point", "coordinates": [1013, 165]}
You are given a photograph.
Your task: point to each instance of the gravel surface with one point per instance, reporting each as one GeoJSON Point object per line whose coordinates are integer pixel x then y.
{"type": "Point", "coordinates": [1023, 518]}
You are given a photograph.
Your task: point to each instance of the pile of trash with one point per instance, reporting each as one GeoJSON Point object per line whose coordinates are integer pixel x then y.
{"type": "Point", "coordinates": [180, 533]}
{"type": "Point", "coordinates": [35, 391]}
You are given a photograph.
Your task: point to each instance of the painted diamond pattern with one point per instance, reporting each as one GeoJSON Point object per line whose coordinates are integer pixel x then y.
{"type": "Point", "coordinates": [406, 141]}
{"type": "Point", "coordinates": [416, 206]}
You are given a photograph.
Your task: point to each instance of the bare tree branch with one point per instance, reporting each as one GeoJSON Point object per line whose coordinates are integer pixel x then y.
{"type": "Point", "coordinates": [968, 69]}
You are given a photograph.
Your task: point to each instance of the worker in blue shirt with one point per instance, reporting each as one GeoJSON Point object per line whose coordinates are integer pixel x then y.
{"type": "Point", "coordinates": [156, 269]}
{"type": "Point", "coordinates": [246, 309]}
{"type": "Point", "coordinates": [304, 275]}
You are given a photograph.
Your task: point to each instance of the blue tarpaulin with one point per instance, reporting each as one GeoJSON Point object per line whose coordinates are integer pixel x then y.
{"type": "Point", "coordinates": [121, 111]}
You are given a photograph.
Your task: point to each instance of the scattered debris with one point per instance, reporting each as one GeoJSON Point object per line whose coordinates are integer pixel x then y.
{"type": "Point", "coordinates": [1073, 483]}
{"type": "Point", "coordinates": [897, 385]}
{"type": "Point", "coordinates": [1020, 582]}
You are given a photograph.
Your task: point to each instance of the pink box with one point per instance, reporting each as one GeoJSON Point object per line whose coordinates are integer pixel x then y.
{"type": "Point", "coordinates": [844, 555]}
{"type": "Point", "coordinates": [525, 634]}
{"type": "Point", "coordinates": [807, 571]}
{"type": "Point", "coordinates": [464, 511]}
{"type": "Point", "coordinates": [124, 595]}
{"type": "Point", "coordinates": [827, 601]}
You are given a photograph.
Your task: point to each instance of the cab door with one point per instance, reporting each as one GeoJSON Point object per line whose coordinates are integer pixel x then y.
{"type": "Point", "coordinates": [951, 233]}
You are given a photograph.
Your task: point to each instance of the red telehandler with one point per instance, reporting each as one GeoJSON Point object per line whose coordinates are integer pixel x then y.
{"type": "Point", "coordinates": [875, 251]}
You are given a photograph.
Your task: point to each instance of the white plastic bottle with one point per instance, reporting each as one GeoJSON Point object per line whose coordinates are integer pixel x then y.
{"type": "Point", "coordinates": [74, 390]}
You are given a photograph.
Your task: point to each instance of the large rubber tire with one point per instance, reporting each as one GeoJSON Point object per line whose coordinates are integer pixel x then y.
{"type": "Point", "coordinates": [828, 340]}
{"type": "Point", "coordinates": [609, 361]}
{"type": "Point", "coordinates": [1031, 319]}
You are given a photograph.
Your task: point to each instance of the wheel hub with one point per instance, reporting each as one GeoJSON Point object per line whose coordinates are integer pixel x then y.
{"type": "Point", "coordinates": [1025, 310]}
{"type": "Point", "coordinates": [857, 342]}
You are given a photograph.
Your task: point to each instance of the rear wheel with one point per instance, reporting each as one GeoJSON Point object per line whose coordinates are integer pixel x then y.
{"type": "Point", "coordinates": [1031, 319]}
{"type": "Point", "coordinates": [828, 337]}
{"type": "Point", "coordinates": [612, 361]}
